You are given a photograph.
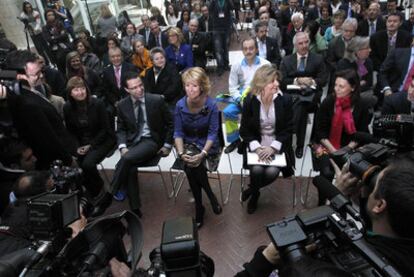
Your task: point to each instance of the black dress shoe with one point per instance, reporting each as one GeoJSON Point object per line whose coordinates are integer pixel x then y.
{"type": "Point", "coordinates": [232, 146]}
{"type": "Point", "coordinates": [299, 152]}
{"type": "Point", "coordinates": [101, 207]}
{"type": "Point", "coordinates": [216, 208]}
{"type": "Point", "coordinates": [246, 194]}
{"type": "Point", "coordinates": [199, 218]}
{"type": "Point", "coordinates": [137, 211]}
{"type": "Point", "coordinates": [252, 205]}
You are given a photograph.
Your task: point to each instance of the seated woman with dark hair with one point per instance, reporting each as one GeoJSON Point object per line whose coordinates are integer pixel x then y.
{"type": "Point", "coordinates": [267, 128]}
{"type": "Point", "coordinates": [111, 42]}
{"type": "Point", "coordinates": [196, 137]}
{"type": "Point", "coordinates": [341, 115]}
{"type": "Point", "coordinates": [87, 120]}
{"type": "Point", "coordinates": [141, 57]}
{"type": "Point", "coordinates": [74, 67]}
{"type": "Point", "coordinates": [356, 57]}
{"type": "Point", "coordinates": [89, 59]}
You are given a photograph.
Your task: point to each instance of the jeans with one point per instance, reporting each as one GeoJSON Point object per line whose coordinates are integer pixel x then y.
{"type": "Point", "coordinates": [221, 49]}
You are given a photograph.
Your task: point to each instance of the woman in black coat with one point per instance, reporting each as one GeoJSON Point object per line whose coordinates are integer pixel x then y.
{"type": "Point", "coordinates": [341, 115]}
{"type": "Point", "coordinates": [87, 120]}
{"type": "Point", "coordinates": [266, 129]}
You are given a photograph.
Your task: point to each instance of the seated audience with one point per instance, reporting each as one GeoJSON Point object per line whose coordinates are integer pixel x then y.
{"type": "Point", "coordinates": [273, 30]}
{"type": "Point", "coordinates": [110, 43]}
{"type": "Point", "coordinates": [373, 23]}
{"type": "Point", "coordinates": [178, 53]}
{"type": "Point", "coordinates": [335, 30]}
{"type": "Point", "coordinates": [129, 39]}
{"type": "Point", "coordinates": [172, 14]}
{"type": "Point", "coordinates": [325, 20]}
{"type": "Point", "coordinates": [400, 102]}
{"type": "Point", "coordinates": [184, 21]}
{"type": "Point", "coordinates": [86, 119]}
{"type": "Point", "coordinates": [267, 47]}
{"type": "Point", "coordinates": [53, 77]}
{"type": "Point", "coordinates": [141, 57]}
{"type": "Point", "coordinates": [163, 78]}
{"type": "Point", "coordinates": [199, 42]}
{"type": "Point", "coordinates": [156, 15]}
{"type": "Point", "coordinates": [294, 27]}
{"type": "Point", "coordinates": [339, 117]}
{"type": "Point", "coordinates": [196, 129]}
{"type": "Point", "coordinates": [157, 38]}
{"type": "Point", "coordinates": [145, 30]}
{"type": "Point", "coordinates": [266, 129]}
{"type": "Point", "coordinates": [89, 59]}
{"type": "Point", "coordinates": [306, 70]}
{"type": "Point", "coordinates": [144, 130]}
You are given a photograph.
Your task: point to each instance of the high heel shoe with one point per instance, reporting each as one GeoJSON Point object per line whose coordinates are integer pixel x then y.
{"type": "Point", "coordinates": [252, 205]}
{"type": "Point", "coordinates": [199, 218]}
{"type": "Point", "coordinates": [246, 194]}
{"type": "Point", "coordinates": [215, 206]}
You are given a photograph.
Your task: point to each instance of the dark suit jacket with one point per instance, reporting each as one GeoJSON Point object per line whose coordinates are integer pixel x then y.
{"type": "Point", "coordinates": [112, 93]}
{"type": "Point", "coordinates": [368, 78]}
{"type": "Point", "coordinates": [393, 70]}
{"type": "Point", "coordinates": [168, 83]}
{"type": "Point", "coordinates": [336, 50]}
{"type": "Point", "coordinates": [379, 45]}
{"type": "Point", "coordinates": [199, 44]}
{"type": "Point", "coordinates": [362, 114]}
{"type": "Point", "coordinates": [363, 27]}
{"type": "Point", "coordinates": [272, 51]}
{"type": "Point", "coordinates": [396, 103]}
{"type": "Point", "coordinates": [159, 121]}
{"type": "Point", "coordinates": [153, 43]}
{"type": "Point", "coordinates": [250, 125]}
{"type": "Point", "coordinates": [41, 126]}
{"type": "Point", "coordinates": [142, 33]}
{"type": "Point", "coordinates": [315, 68]}
{"type": "Point", "coordinates": [56, 80]}
{"type": "Point", "coordinates": [202, 24]}
{"type": "Point", "coordinates": [99, 127]}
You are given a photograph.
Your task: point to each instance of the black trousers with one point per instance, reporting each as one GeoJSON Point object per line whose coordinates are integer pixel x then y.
{"type": "Point", "coordinates": [92, 181]}
{"type": "Point", "coordinates": [327, 171]}
{"type": "Point", "coordinates": [300, 116]}
{"type": "Point", "coordinates": [125, 174]}
{"type": "Point", "coordinates": [198, 179]}
{"type": "Point", "coordinates": [261, 176]}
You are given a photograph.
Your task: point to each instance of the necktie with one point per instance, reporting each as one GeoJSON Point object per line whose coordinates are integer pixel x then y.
{"type": "Point", "coordinates": [190, 38]}
{"type": "Point", "coordinates": [118, 76]}
{"type": "Point", "coordinates": [301, 67]}
{"type": "Point", "coordinates": [409, 78]}
{"type": "Point", "coordinates": [140, 117]}
{"type": "Point", "coordinates": [158, 40]}
{"type": "Point", "coordinates": [371, 28]}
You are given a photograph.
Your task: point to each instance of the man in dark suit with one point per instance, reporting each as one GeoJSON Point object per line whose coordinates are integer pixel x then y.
{"type": "Point", "coordinates": [373, 23]}
{"type": "Point", "coordinates": [146, 31]}
{"type": "Point", "coordinates": [268, 47]}
{"type": "Point", "coordinates": [145, 129]}
{"type": "Point", "coordinates": [296, 27]}
{"type": "Point", "coordinates": [157, 38]}
{"type": "Point", "coordinates": [113, 76]}
{"type": "Point", "coordinates": [163, 78]}
{"type": "Point", "coordinates": [384, 41]}
{"type": "Point", "coordinates": [408, 25]}
{"type": "Point", "coordinates": [205, 21]}
{"type": "Point", "coordinates": [306, 70]}
{"type": "Point", "coordinates": [400, 102]}
{"type": "Point", "coordinates": [199, 42]}
{"type": "Point", "coordinates": [286, 14]}
{"type": "Point", "coordinates": [394, 70]}
{"type": "Point", "coordinates": [35, 118]}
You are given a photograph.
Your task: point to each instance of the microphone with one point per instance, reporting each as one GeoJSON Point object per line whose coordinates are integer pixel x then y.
{"type": "Point", "coordinates": [338, 201]}
{"type": "Point", "coordinates": [41, 251]}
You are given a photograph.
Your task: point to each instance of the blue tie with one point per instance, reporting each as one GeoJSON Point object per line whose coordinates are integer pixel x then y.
{"type": "Point", "coordinates": [301, 67]}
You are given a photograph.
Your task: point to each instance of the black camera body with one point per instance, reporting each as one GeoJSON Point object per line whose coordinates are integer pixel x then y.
{"type": "Point", "coordinates": [65, 178]}
{"type": "Point", "coordinates": [398, 127]}
{"type": "Point", "coordinates": [337, 239]}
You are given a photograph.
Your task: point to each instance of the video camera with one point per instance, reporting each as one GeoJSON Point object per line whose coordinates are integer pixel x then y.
{"type": "Point", "coordinates": [397, 127]}
{"type": "Point", "coordinates": [337, 239]}
{"type": "Point", "coordinates": [65, 178]}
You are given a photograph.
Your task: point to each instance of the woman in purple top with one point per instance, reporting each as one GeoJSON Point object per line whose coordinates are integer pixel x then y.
{"type": "Point", "coordinates": [178, 52]}
{"type": "Point", "coordinates": [196, 137]}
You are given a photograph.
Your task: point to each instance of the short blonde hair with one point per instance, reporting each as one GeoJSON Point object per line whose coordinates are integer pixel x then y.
{"type": "Point", "coordinates": [176, 31]}
{"type": "Point", "coordinates": [264, 75]}
{"type": "Point", "coordinates": [105, 11]}
{"type": "Point", "coordinates": [198, 75]}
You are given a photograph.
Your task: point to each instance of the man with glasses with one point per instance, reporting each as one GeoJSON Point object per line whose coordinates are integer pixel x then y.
{"type": "Point", "coordinates": [35, 118]}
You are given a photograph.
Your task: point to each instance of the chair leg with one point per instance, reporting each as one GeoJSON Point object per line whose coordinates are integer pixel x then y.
{"type": "Point", "coordinates": [164, 184]}
{"type": "Point", "coordinates": [104, 173]}
{"type": "Point", "coordinates": [303, 161]}
{"type": "Point", "coordinates": [304, 201]}
{"type": "Point", "coordinates": [230, 183]}
{"type": "Point", "coordinates": [221, 188]}
{"type": "Point", "coordinates": [241, 185]}
{"type": "Point", "coordinates": [294, 200]}
{"type": "Point", "coordinates": [176, 184]}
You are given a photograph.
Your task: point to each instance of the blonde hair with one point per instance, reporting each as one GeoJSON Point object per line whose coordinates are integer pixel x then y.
{"type": "Point", "coordinates": [176, 31]}
{"type": "Point", "coordinates": [105, 11]}
{"type": "Point", "coordinates": [264, 75]}
{"type": "Point", "coordinates": [198, 75]}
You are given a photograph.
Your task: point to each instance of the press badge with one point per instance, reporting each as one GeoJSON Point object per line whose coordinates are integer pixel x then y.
{"type": "Point", "coordinates": [221, 15]}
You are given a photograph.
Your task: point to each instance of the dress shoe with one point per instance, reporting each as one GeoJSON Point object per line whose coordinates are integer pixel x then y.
{"type": "Point", "coordinates": [216, 208]}
{"type": "Point", "coordinates": [220, 72]}
{"type": "Point", "coordinates": [101, 207]}
{"type": "Point", "coordinates": [120, 195]}
{"type": "Point", "coordinates": [199, 218]}
{"type": "Point", "coordinates": [252, 205]}
{"type": "Point", "coordinates": [232, 146]}
{"type": "Point", "coordinates": [246, 194]}
{"type": "Point", "coordinates": [299, 152]}
{"type": "Point", "coordinates": [137, 211]}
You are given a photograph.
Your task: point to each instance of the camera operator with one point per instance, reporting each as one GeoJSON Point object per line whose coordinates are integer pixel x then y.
{"type": "Point", "coordinates": [14, 229]}
{"type": "Point", "coordinates": [390, 208]}
{"type": "Point", "coordinates": [35, 118]}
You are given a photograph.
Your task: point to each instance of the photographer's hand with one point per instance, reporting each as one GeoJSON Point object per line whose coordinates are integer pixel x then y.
{"type": "Point", "coordinates": [347, 183]}
{"type": "Point", "coordinates": [3, 92]}
{"type": "Point", "coordinates": [164, 151]}
{"type": "Point", "coordinates": [119, 269]}
{"type": "Point", "coordinates": [271, 254]}
{"type": "Point", "coordinates": [124, 151]}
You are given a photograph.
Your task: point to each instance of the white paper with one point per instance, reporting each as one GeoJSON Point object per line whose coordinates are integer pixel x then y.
{"type": "Point", "coordinates": [279, 160]}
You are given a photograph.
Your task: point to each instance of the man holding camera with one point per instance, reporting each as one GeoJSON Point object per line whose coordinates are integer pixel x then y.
{"type": "Point", "coordinates": [390, 208]}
